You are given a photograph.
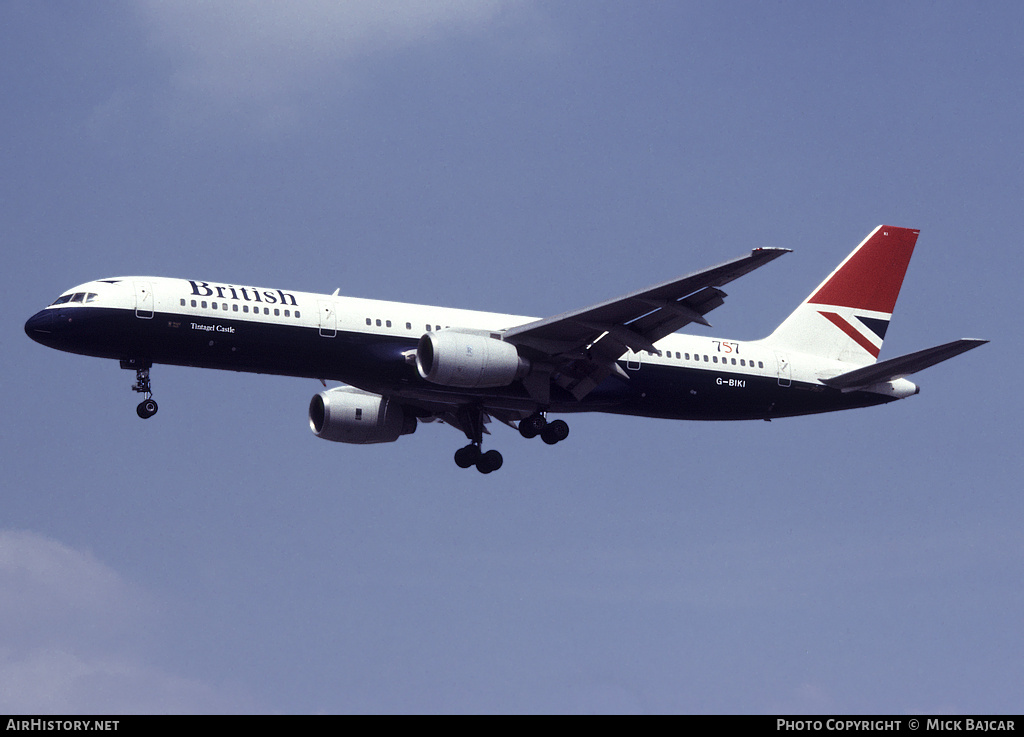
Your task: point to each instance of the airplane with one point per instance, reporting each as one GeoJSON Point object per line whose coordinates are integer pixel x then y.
{"type": "Point", "coordinates": [404, 364]}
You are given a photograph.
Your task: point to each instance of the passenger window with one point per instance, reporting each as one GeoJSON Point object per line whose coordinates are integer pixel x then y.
{"type": "Point", "coordinates": [213, 305]}
{"type": "Point", "coordinates": [368, 322]}
{"type": "Point", "coordinates": [182, 301]}
{"type": "Point", "coordinates": [277, 312]}
{"type": "Point", "coordinates": [408, 326]}
{"type": "Point", "coordinates": [287, 313]}
{"type": "Point", "coordinates": [297, 314]}
{"type": "Point", "coordinates": [193, 303]}
{"type": "Point", "coordinates": [387, 323]}
{"type": "Point", "coordinates": [378, 322]}
{"type": "Point", "coordinates": [203, 303]}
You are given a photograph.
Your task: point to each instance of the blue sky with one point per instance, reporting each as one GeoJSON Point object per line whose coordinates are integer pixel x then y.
{"type": "Point", "coordinates": [531, 158]}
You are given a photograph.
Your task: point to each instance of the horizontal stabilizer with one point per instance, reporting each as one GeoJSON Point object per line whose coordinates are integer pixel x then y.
{"type": "Point", "coordinates": [897, 368]}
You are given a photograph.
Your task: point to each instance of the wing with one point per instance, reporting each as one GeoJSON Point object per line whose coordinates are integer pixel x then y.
{"type": "Point", "coordinates": [578, 349]}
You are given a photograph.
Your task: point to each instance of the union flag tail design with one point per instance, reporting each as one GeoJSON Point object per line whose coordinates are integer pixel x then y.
{"type": "Point", "coordinates": [847, 316]}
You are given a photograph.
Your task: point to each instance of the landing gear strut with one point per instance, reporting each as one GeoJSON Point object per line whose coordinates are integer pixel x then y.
{"type": "Point", "coordinates": [148, 406]}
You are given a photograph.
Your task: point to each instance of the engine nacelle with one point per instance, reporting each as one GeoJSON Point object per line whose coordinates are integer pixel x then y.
{"type": "Point", "coordinates": [349, 415]}
{"type": "Point", "coordinates": [468, 359]}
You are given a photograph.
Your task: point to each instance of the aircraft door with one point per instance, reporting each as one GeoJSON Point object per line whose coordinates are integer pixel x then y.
{"type": "Point", "coordinates": [328, 319]}
{"type": "Point", "coordinates": [144, 300]}
{"type": "Point", "coordinates": [785, 373]}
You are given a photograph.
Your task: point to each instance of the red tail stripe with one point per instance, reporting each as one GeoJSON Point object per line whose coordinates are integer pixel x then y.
{"type": "Point", "coordinates": [871, 278]}
{"type": "Point", "coordinates": [850, 330]}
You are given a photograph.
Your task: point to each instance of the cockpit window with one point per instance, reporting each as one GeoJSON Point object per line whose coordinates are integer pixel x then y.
{"type": "Point", "coordinates": [76, 297]}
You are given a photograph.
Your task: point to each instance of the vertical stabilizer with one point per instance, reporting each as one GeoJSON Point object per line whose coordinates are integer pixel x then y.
{"type": "Point", "coordinates": [847, 316]}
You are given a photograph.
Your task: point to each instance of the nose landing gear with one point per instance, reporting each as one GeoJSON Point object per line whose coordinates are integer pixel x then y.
{"type": "Point", "coordinates": [148, 406]}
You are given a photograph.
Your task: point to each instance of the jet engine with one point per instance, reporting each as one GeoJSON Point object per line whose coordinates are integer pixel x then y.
{"type": "Point", "coordinates": [349, 415]}
{"type": "Point", "coordinates": [468, 359]}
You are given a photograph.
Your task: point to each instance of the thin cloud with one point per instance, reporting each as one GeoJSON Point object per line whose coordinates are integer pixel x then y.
{"type": "Point", "coordinates": [40, 576]}
{"type": "Point", "coordinates": [235, 54]}
{"type": "Point", "coordinates": [70, 634]}
{"type": "Point", "coordinates": [58, 681]}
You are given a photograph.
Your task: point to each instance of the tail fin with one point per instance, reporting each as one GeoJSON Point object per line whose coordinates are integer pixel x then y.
{"type": "Point", "coordinates": [847, 316]}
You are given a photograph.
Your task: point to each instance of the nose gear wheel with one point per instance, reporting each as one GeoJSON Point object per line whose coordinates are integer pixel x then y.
{"type": "Point", "coordinates": [148, 406]}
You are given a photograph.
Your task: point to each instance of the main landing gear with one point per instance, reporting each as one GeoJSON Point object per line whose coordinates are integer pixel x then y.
{"type": "Point", "coordinates": [471, 420]}
{"type": "Point", "coordinates": [148, 406]}
{"type": "Point", "coordinates": [472, 455]}
{"type": "Point", "coordinates": [550, 432]}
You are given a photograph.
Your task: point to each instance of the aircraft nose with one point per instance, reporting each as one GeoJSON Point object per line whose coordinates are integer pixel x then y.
{"type": "Point", "coordinates": [39, 324]}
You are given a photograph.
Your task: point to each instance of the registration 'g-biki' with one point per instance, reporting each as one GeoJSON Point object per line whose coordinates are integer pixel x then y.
{"type": "Point", "coordinates": [404, 364]}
